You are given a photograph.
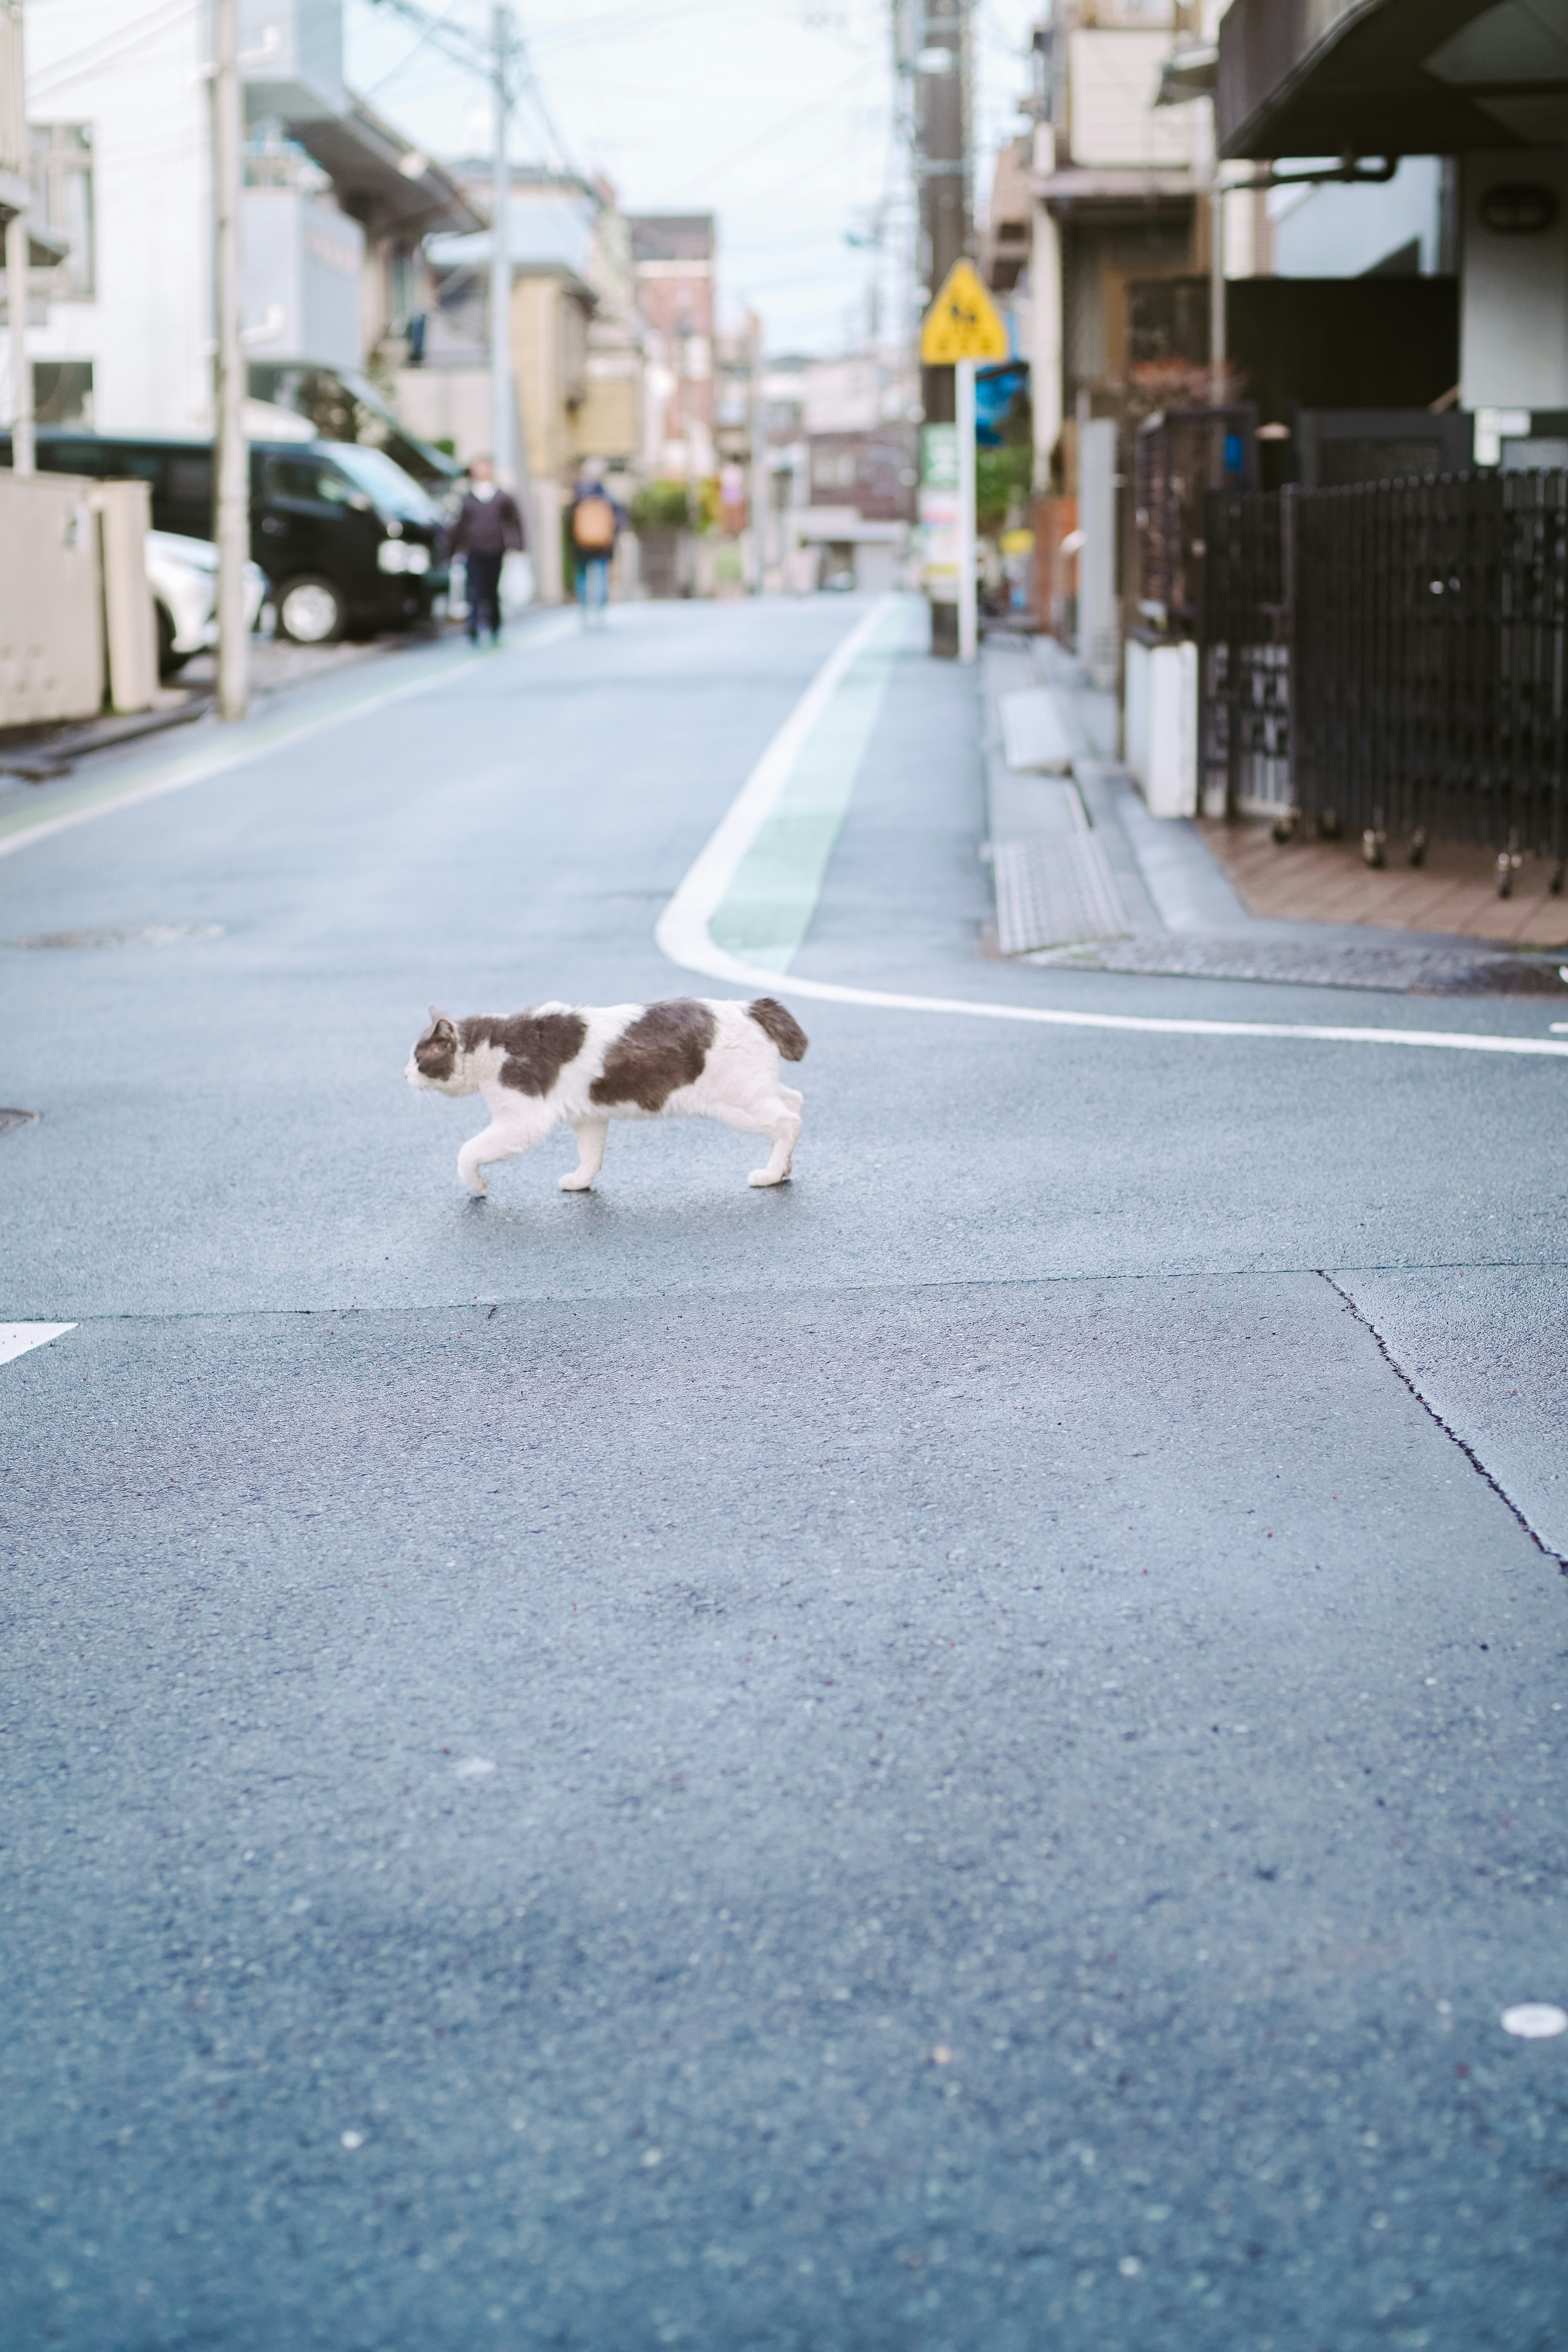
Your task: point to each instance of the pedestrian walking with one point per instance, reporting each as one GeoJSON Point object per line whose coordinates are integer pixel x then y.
{"type": "Point", "coordinates": [488, 527]}
{"type": "Point", "coordinates": [596, 522]}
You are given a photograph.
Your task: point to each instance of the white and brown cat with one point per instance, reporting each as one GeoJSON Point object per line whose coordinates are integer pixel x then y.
{"type": "Point", "coordinates": [583, 1065]}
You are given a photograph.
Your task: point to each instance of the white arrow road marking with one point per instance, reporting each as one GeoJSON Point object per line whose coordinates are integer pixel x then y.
{"type": "Point", "coordinates": [15, 1338]}
{"type": "Point", "coordinates": [684, 930]}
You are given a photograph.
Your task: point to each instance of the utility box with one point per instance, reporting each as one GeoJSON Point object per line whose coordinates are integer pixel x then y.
{"type": "Point", "coordinates": [51, 600]}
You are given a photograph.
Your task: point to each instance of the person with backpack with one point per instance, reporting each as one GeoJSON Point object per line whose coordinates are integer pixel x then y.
{"type": "Point", "coordinates": [488, 527]}
{"type": "Point", "coordinates": [597, 521]}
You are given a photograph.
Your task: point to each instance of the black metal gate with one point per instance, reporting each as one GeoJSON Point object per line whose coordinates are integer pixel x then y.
{"type": "Point", "coordinates": [1244, 654]}
{"type": "Point", "coordinates": [1392, 658]}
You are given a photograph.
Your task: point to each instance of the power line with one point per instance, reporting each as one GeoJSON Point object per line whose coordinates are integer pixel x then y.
{"type": "Point", "coordinates": [44, 80]}
{"type": "Point", "coordinates": [813, 106]}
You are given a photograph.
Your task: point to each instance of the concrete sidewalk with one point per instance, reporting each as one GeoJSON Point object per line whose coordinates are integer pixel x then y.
{"type": "Point", "coordinates": [1159, 901]}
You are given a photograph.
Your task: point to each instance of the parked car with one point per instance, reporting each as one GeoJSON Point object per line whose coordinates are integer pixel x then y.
{"type": "Point", "coordinates": [348, 542]}
{"type": "Point", "coordinates": [182, 576]}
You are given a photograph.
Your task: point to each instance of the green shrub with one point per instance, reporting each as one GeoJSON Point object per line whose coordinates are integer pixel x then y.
{"type": "Point", "coordinates": [661, 506]}
{"type": "Point", "coordinates": [999, 475]}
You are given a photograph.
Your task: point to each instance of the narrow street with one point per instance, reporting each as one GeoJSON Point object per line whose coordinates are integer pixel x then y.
{"type": "Point", "coordinates": [961, 1755]}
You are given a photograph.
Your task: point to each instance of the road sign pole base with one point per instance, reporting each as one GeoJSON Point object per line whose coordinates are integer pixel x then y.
{"type": "Point", "coordinates": [944, 632]}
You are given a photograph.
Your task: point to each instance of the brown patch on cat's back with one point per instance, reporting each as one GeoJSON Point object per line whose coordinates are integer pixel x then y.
{"type": "Point", "coordinates": [775, 1021]}
{"type": "Point", "coordinates": [662, 1050]}
{"type": "Point", "coordinates": [537, 1045]}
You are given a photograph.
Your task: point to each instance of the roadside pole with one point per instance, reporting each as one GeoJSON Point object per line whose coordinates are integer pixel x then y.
{"type": "Point", "coordinates": [968, 610]}
{"type": "Point", "coordinates": [501, 434]}
{"type": "Point", "coordinates": [22, 461]}
{"type": "Point", "coordinates": [231, 520]}
{"type": "Point", "coordinates": [14, 163]}
{"type": "Point", "coordinates": [961, 327]}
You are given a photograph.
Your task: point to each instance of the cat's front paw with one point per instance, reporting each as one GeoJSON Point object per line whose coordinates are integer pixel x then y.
{"type": "Point", "coordinates": [766, 1176]}
{"type": "Point", "coordinates": [572, 1182]}
{"type": "Point", "coordinates": [472, 1180]}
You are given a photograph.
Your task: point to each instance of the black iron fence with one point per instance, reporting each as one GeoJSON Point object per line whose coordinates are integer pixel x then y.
{"type": "Point", "coordinates": [1243, 705]}
{"type": "Point", "coordinates": [1181, 458]}
{"type": "Point", "coordinates": [1392, 658]}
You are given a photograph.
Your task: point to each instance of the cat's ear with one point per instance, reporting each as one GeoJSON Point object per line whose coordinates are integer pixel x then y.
{"type": "Point", "coordinates": [439, 1020]}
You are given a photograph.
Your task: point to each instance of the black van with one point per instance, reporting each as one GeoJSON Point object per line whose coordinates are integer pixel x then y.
{"type": "Point", "coordinates": [348, 541]}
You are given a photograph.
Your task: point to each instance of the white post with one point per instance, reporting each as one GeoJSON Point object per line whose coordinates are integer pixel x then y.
{"type": "Point", "coordinates": [501, 263]}
{"type": "Point", "coordinates": [232, 485]}
{"type": "Point", "coordinates": [968, 616]}
{"type": "Point", "coordinates": [22, 458]}
{"type": "Point", "coordinates": [759, 468]}
{"type": "Point", "coordinates": [1046, 356]}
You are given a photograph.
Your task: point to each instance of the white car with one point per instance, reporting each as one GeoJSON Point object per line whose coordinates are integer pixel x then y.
{"type": "Point", "coordinates": [182, 576]}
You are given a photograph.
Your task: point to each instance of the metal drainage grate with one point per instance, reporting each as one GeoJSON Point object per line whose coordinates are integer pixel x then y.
{"type": "Point", "coordinates": [141, 935]}
{"type": "Point", "coordinates": [1055, 889]}
{"type": "Point", "coordinates": [10, 1118]}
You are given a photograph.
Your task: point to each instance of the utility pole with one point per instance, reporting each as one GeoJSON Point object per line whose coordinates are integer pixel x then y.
{"type": "Point", "coordinates": [14, 164]}
{"type": "Point", "coordinates": [231, 520]}
{"type": "Point", "coordinates": [22, 460]}
{"type": "Point", "coordinates": [941, 163]}
{"type": "Point", "coordinates": [501, 433]}
{"type": "Point", "coordinates": [968, 612]}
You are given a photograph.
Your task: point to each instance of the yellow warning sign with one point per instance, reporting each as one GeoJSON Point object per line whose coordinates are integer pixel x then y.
{"type": "Point", "coordinates": [962, 323]}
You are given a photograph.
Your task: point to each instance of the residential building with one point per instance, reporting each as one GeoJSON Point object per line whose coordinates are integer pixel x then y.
{"type": "Point", "coordinates": [841, 464]}
{"type": "Point", "coordinates": [576, 344]}
{"type": "Point", "coordinates": [1483, 85]}
{"type": "Point", "coordinates": [335, 206]}
{"type": "Point", "coordinates": [674, 255]}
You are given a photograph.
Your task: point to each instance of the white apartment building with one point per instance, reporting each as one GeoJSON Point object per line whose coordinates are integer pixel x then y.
{"type": "Point", "coordinates": [335, 208]}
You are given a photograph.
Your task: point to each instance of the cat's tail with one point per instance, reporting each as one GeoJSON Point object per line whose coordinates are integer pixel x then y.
{"type": "Point", "coordinates": [782, 1027]}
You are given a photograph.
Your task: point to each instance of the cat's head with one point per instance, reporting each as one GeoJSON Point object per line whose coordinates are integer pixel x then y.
{"type": "Point", "coordinates": [439, 1060]}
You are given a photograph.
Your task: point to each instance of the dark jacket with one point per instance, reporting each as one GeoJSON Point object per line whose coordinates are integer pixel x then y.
{"type": "Point", "coordinates": [487, 526]}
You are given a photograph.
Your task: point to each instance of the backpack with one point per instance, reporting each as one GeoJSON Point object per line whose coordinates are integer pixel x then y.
{"type": "Point", "coordinates": [593, 524]}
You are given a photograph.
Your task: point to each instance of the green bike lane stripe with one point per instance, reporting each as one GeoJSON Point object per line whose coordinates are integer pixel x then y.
{"type": "Point", "coordinates": [744, 906]}
{"type": "Point", "coordinates": [772, 896]}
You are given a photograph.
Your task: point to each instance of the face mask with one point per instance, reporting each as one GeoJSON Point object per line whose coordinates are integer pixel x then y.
{"type": "Point", "coordinates": [484, 492]}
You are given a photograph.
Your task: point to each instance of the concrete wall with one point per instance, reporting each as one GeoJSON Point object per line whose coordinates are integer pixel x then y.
{"type": "Point", "coordinates": [300, 264]}
{"type": "Point", "coordinates": [1513, 289]}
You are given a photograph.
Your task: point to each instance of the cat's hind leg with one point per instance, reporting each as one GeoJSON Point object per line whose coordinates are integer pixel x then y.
{"type": "Point", "coordinates": [502, 1139]}
{"type": "Point", "coordinates": [592, 1135]}
{"type": "Point", "coordinates": [777, 1118]}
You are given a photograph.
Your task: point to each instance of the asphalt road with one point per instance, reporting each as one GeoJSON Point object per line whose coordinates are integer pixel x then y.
{"type": "Point", "coordinates": [963, 1754]}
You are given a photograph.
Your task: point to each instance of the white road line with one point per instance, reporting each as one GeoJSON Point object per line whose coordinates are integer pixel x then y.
{"type": "Point", "coordinates": [15, 1338]}
{"type": "Point", "coordinates": [105, 798]}
{"type": "Point", "coordinates": [682, 931]}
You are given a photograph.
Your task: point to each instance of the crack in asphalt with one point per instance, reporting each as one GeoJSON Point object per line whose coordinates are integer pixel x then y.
{"type": "Point", "coordinates": [1427, 1407]}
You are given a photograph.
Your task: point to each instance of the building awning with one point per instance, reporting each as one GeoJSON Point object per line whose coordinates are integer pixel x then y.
{"type": "Point", "coordinates": [1390, 76]}
{"type": "Point", "coordinates": [390, 185]}
{"type": "Point", "coordinates": [1077, 188]}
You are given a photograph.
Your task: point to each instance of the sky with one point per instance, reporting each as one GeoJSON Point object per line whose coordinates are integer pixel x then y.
{"type": "Point", "coordinates": [775, 114]}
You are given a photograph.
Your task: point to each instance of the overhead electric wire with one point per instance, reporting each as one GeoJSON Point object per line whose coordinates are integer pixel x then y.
{"type": "Point", "coordinates": [407, 59]}
{"type": "Point", "coordinates": [813, 106]}
{"type": "Point", "coordinates": [44, 80]}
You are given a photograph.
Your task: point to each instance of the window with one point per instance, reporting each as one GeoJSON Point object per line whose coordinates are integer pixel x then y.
{"type": "Point", "coordinates": [62, 392]}
{"type": "Point", "coordinates": [307, 482]}
{"type": "Point", "coordinates": [62, 197]}
{"type": "Point", "coordinates": [190, 481]}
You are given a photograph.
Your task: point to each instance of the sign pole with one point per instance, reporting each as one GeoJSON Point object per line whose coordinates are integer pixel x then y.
{"type": "Point", "coordinates": [231, 521]}
{"type": "Point", "coordinates": [961, 327]}
{"type": "Point", "coordinates": [968, 617]}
